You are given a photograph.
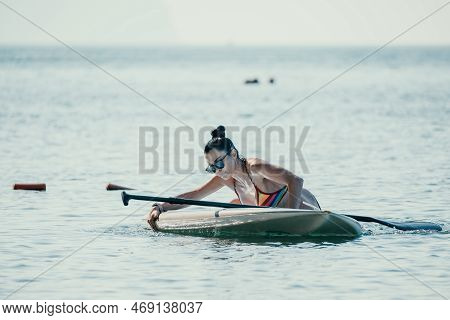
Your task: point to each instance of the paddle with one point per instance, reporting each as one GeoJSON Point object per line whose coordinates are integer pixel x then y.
{"type": "Point", "coordinates": [404, 226]}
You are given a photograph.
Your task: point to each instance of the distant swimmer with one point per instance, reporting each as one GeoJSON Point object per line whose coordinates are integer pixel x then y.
{"type": "Point", "coordinates": [252, 81]}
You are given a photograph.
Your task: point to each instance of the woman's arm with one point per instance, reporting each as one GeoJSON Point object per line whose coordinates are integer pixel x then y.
{"type": "Point", "coordinates": [282, 176]}
{"type": "Point", "coordinates": [214, 184]}
{"type": "Point", "coordinates": [211, 186]}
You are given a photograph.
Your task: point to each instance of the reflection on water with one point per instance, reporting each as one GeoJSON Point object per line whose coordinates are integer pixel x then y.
{"type": "Point", "coordinates": [277, 239]}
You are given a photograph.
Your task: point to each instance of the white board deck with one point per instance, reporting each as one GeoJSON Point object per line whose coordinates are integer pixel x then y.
{"type": "Point", "coordinates": [260, 220]}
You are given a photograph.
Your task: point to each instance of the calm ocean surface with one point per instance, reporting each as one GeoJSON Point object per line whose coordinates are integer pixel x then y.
{"type": "Point", "coordinates": [378, 144]}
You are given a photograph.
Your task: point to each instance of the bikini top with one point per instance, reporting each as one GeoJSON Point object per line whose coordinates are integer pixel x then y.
{"type": "Point", "coordinates": [264, 199]}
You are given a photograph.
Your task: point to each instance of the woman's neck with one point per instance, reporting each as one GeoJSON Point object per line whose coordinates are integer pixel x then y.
{"type": "Point", "coordinates": [240, 173]}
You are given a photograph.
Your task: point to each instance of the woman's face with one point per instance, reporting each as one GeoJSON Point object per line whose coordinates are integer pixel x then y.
{"type": "Point", "coordinates": [229, 162]}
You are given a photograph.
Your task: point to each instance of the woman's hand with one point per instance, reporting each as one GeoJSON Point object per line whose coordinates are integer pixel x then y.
{"type": "Point", "coordinates": [152, 217]}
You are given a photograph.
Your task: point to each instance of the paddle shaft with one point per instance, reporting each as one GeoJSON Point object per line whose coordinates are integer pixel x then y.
{"type": "Point", "coordinates": [126, 197]}
{"type": "Point", "coordinates": [408, 226]}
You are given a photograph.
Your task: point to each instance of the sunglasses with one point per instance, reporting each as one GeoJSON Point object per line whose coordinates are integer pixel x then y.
{"type": "Point", "coordinates": [218, 164]}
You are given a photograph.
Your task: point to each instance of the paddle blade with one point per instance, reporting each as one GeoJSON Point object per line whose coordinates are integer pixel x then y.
{"type": "Point", "coordinates": [411, 226]}
{"type": "Point", "coordinates": [404, 226]}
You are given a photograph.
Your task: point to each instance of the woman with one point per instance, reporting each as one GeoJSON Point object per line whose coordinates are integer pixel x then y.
{"type": "Point", "coordinates": [254, 181]}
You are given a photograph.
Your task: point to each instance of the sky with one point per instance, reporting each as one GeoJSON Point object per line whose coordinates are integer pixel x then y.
{"type": "Point", "coordinates": [230, 22]}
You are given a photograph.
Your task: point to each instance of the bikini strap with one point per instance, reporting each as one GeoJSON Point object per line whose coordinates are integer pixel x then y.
{"type": "Point", "coordinates": [244, 160]}
{"type": "Point", "coordinates": [234, 181]}
{"type": "Point", "coordinates": [235, 191]}
{"type": "Point", "coordinates": [246, 170]}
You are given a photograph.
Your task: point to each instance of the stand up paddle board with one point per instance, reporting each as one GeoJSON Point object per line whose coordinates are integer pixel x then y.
{"type": "Point", "coordinates": [260, 221]}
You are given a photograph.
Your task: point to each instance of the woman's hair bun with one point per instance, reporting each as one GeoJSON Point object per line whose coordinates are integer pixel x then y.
{"type": "Point", "coordinates": [219, 132]}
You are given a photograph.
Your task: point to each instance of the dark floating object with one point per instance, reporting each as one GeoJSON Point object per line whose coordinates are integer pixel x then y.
{"type": "Point", "coordinates": [272, 81]}
{"type": "Point", "coordinates": [30, 186]}
{"type": "Point", "coordinates": [252, 81]}
{"type": "Point", "coordinates": [113, 187]}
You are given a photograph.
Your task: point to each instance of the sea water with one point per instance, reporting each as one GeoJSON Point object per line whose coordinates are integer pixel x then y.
{"type": "Point", "coordinates": [377, 143]}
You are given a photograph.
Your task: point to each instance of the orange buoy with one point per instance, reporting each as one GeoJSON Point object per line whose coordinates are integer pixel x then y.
{"type": "Point", "coordinates": [113, 187]}
{"type": "Point", "coordinates": [30, 186]}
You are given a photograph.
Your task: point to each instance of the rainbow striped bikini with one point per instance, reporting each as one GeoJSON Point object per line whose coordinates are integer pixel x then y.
{"type": "Point", "coordinates": [264, 199]}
